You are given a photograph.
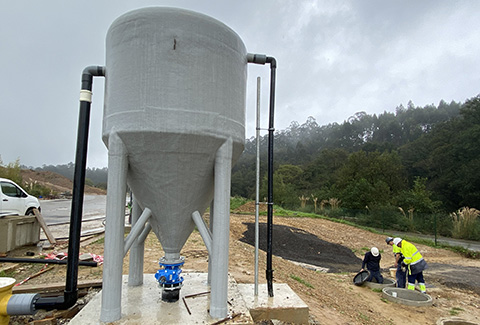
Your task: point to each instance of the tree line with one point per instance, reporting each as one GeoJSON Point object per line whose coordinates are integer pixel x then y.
{"type": "Point", "coordinates": [414, 169]}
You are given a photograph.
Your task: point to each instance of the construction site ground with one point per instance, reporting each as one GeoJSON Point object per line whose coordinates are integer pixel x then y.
{"type": "Point", "coordinates": [317, 258]}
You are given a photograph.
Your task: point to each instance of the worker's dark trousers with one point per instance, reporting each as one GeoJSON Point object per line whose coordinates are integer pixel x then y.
{"type": "Point", "coordinates": [377, 275]}
{"type": "Point", "coordinates": [401, 277]}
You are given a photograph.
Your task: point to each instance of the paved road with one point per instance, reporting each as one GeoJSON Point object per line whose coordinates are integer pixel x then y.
{"type": "Point", "coordinates": [468, 244]}
{"type": "Point", "coordinates": [58, 211]}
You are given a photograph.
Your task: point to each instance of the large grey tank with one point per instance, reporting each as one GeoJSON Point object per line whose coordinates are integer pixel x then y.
{"type": "Point", "coordinates": [175, 91]}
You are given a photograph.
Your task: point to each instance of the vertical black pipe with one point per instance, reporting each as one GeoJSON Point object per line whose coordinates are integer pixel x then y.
{"type": "Point", "coordinates": [70, 294]}
{"type": "Point", "coordinates": [271, 129]}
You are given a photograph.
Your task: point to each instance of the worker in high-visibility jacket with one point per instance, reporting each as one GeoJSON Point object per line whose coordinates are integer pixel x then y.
{"type": "Point", "coordinates": [400, 274]}
{"type": "Point", "coordinates": [414, 262]}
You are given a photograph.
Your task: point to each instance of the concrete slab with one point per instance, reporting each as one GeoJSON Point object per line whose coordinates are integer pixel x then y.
{"type": "Point", "coordinates": [285, 305]}
{"type": "Point", "coordinates": [143, 304]}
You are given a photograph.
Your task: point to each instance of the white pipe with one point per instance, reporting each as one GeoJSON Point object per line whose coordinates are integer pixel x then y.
{"type": "Point", "coordinates": [221, 230]}
{"type": "Point", "coordinates": [136, 230]}
{"type": "Point", "coordinates": [114, 230]}
{"type": "Point", "coordinates": [257, 189]}
{"type": "Point", "coordinates": [135, 265]}
{"type": "Point", "coordinates": [203, 230]}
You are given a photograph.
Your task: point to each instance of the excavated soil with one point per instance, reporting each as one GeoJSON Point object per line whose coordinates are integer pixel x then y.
{"type": "Point", "coordinates": [334, 249]}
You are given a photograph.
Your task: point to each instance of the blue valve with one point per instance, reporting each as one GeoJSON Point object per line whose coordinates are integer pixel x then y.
{"type": "Point", "coordinates": [170, 280]}
{"type": "Point", "coordinates": [170, 274]}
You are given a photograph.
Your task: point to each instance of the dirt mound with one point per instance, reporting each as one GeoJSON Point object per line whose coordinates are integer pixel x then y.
{"type": "Point", "coordinates": [298, 245]}
{"type": "Point", "coordinates": [249, 207]}
{"type": "Point", "coordinates": [54, 181]}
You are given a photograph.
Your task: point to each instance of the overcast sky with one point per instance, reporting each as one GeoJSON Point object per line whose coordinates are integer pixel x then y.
{"type": "Point", "coordinates": [335, 58]}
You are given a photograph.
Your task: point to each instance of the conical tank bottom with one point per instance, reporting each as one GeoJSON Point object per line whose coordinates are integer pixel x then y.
{"type": "Point", "coordinates": [173, 178]}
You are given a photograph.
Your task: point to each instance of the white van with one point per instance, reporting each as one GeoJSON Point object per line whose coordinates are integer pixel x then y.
{"type": "Point", "coordinates": [15, 201]}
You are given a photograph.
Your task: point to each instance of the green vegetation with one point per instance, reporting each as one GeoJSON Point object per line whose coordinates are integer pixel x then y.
{"type": "Point", "coordinates": [237, 201]}
{"type": "Point", "coordinates": [455, 311]}
{"type": "Point", "coordinates": [296, 278]}
{"type": "Point", "coordinates": [405, 171]}
{"type": "Point", "coordinates": [364, 317]}
{"type": "Point", "coordinates": [7, 274]}
{"type": "Point", "coordinates": [100, 241]}
{"type": "Point", "coordinates": [464, 223]}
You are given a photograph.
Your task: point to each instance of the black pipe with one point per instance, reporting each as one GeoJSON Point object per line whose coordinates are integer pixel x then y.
{"type": "Point", "coordinates": [262, 59]}
{"type": "Point", "coordinates": [70, 294]}
{"type": "Point", "coordinates": [271, 129]}
{"type": "Point", "coordinates": [43, 261]}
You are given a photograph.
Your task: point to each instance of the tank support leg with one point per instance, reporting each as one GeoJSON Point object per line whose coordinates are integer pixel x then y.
{"type": "Point", "coordinates": [210, 226]}
{"type": "Point", "coordinates": [114, 230]}
{"type": "Point", "coordinates": [135, 266]}
{"type": "Point", "coordinates": [221, 230]}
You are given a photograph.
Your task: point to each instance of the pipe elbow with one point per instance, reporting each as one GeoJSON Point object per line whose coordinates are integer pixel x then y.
{"type": "Point", "coordinates": [272, 61]}
{"type": "Point", "coordinates": [95, 71]}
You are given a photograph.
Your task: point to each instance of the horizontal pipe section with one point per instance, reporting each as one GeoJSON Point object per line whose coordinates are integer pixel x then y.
{"type": "Point", "coordinates": [43, 261]}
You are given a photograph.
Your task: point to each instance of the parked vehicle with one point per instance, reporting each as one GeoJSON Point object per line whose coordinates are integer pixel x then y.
{"type": "Point", "coordinates": [15, 201]}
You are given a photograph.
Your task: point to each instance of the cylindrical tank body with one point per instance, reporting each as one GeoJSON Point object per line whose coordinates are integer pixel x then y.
{"type": "Point", "coordinates": [175, 91]}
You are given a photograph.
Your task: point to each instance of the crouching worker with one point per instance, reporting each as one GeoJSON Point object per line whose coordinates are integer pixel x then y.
{"type": "Point", "coordinates": [414, 262]}
{"type": "Point", "coordinates": [372, 261]}
{"type": "Point", "coordinates": [400, 275]}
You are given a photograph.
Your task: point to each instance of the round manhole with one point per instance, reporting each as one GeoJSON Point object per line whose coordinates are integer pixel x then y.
{"type": "Point", "coordinates": [454, 321]}
{"type": "Point", "coordinates": [406, 297]}
{"type": "Point", "coordinates": [386, 283]}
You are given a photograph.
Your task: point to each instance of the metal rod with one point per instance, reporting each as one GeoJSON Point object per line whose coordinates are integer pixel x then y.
{"type": "Point", "coordinates": [257, 189]}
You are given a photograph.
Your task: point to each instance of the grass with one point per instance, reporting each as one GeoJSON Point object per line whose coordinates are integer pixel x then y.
{"type": "Point", "coordinates": [464, 221]}
{"type": "Point", "coordinates": [7, 274]}
{"type": "Point", "coordinates": [237, 201]}
{"type": "Point", "coordinates": [300, 280]}
{"type": "Point", "coordinates": [455, 311]}
{"type": "Point", "coordinates": [100, 241]}
{"type": "Point", "coordinates": [364, 317]}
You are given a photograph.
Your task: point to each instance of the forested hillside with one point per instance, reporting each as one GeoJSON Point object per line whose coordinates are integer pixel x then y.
{"type": "Point", "coordinates": [408, 170]}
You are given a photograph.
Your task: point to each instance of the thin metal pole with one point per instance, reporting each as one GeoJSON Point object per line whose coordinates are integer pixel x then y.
{"type": "Point", "coordinates": [257, 187]}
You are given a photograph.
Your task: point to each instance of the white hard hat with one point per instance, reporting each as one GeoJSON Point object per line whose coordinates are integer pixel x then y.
{"type": "Point", "coordinates": [397, 240]}
{"type": "Point", "coordinates": [374, 251]}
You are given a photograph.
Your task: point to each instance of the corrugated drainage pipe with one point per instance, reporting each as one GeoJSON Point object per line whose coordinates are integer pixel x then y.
{"type": "Point", "coordinates": [262, 59]}
{"type": "Point", "coordinates": [70, 294]}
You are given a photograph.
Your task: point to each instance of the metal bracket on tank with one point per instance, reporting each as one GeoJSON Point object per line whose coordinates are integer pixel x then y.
{"type": "Point", "coordinates": [169, 279]}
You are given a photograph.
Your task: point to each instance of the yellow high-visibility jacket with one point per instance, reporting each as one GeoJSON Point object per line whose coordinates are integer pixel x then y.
{"type": "Point", "coordinates": [396, 249]}
{"type": "Point", "coordinates": [411, 253]}
{"type": "Point", "coordinates": [413, 258]}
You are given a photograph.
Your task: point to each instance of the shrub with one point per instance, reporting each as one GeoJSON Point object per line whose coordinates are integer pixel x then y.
{"type": "Point", "coordinates": [465, 224]}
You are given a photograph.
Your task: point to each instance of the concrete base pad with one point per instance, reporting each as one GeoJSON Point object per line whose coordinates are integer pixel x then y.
{"type": "Point", "coordinates": [143, 304]}
{"type": "Point", "coordinates": [285, 305]}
